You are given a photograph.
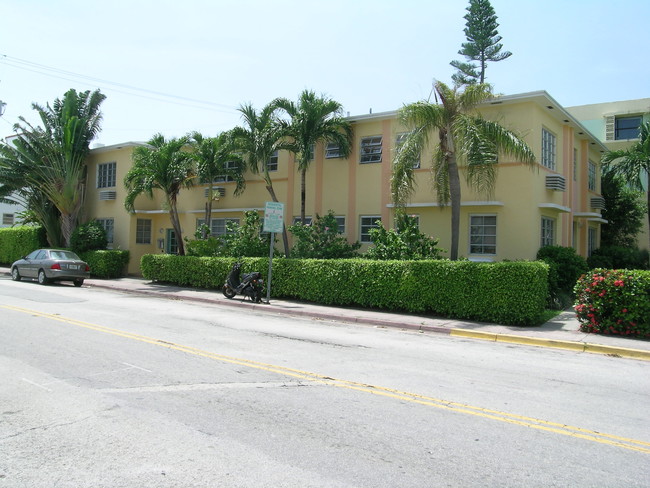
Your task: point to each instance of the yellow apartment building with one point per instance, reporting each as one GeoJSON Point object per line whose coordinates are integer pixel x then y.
{"type": "Point", "coordinates": [556, 202]}
{"type": "Point", "coordinates": [616, 124]}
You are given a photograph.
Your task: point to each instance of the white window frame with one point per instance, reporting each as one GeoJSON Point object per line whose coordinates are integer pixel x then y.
{"type": "Point", "coordinates": [626, 130]}
{"type": "Point", "coordinates": [217, 226]}
{"type": "Point", "coordinates": [225, 178]}
{"type": "Point", "coordinates": [370, 149]}
{"type": "Point", "coordinates": [272, 164]}
{"type": "Point", "coordinates": [143, 231]}
{"type": "Point", "coordinates": [8, 219]}
{"type": "Point", "coordinates": [399, 140]}
{"type": "Point", "coordinates": [298, 220]}
{"type": "Point", "coordinates": [549, 148]}
{"type": "Point", "coordinates": [109, 227]}
{"type": "Point", "coordinates": [547, 232]}
{"type": "Point", "coordinates": [332, 151]}
{"type": "Point", "coordinates": [591, 176]}
{"type": "Point", "coordinates": [107, 175]}
{"type": "Point", "coordinates": [592, 240]}
{"type": "Point", "coordinates": [479, 246]}
{"type": "Point", "coordinates": [367, 222]}
{"type": "Point", "coordinates": [340, 224]}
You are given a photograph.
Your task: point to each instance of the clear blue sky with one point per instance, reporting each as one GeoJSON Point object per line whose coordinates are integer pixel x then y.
{"type": "Point", "coordinates": [367, 54]}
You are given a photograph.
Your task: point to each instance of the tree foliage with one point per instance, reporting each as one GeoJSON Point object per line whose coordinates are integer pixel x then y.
{"type": "Point", "coordinates": [405, 242]}
{"type": "Point", "coordinates": [46, 166]}
{"type": "Point", "coordinates": [463, 137]}
{"type": "Point", "coordinates": [624, 211]}
{"type": "Point", "coordinates": [633, 164]}
{"type": "Point", "coordinates": [321, 240]}
{"type": "Point", "coordinates": [314, 119]}
{"type": "Point", "coordinates": [164, 165]}
{"type": "Point", "coordinates": [483, 43]}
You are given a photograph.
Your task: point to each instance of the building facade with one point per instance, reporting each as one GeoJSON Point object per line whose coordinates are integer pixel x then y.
{"type": "Point", "coordinates": [555, 202]}
{"type": "Point", "coordinates": [616, 124]}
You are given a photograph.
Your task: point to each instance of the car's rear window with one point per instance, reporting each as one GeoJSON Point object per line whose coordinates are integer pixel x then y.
{"type": "Point", "coordinates": [63, 255]}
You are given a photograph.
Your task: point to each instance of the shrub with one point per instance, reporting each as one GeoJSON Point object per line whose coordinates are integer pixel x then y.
{"type": "Point", "coordinates": [321, 240]}
{"type": "Point", "coordinates": [88, 237]}
{"type": "Point", "coordinates": [16, 242]}
{"type": "Point", "coordinates": [106, 263]}
{"type": "Point", "coordinates": [404, 242]}
{"type": "Point", "coordinates": [618, 257]}
{"type": "Point", "coordinates": [568, 265]}
{"type": "Point", "coordinates": [614, 302]}
{"type": "Point", "coordinates": [247, 239]}
{"type": "Point", "coordinates": [505, 293]}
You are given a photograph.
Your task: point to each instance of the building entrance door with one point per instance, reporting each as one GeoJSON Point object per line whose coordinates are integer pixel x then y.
{"type": "Point", "coordinates": [171, 245]}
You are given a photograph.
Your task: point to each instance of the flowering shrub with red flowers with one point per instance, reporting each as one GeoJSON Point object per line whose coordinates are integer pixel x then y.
{"type": "Point", "coordinates": [614, 302]}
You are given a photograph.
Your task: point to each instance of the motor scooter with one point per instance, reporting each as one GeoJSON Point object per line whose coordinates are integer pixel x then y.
{"type": "Point", "coordinates": [250, 285]}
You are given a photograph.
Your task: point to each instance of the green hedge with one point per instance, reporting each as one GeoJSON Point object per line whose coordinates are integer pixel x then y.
{"type": "Point", "coordinates": [16, 242]}
{"type": "Point", "coordinates": [107, 263]}
{"type": "Point", "coordinates": [506, 293]}
{"type": "Point", "coordinates": [614, 302]}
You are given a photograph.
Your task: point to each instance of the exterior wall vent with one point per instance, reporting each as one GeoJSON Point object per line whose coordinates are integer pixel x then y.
{"type": "Point", "coordinates": [598, 202]}
{"type": "Point", "coordinates": [610, 127]}
{"type": "Point", "coordinates": [218, 191]}
{"type": "Point", "coordinates": [555, 182]}
{"type": "Point", "coordinates": [107, 195]}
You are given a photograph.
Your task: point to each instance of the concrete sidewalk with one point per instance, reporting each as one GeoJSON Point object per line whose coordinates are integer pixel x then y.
{"type": "Point", "coordinates": [562, 332]}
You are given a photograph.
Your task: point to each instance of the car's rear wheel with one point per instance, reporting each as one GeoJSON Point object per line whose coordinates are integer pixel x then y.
{"type": "Point", "coordinates": [78, 283]}
{"type": "Point", "coordinates": [15, 274]}
{"type": "Point", "coordinates": [42, 279]}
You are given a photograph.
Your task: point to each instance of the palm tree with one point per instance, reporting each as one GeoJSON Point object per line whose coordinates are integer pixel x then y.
{"type": "Point", "coordinates": [212, 156]}
{"type": "Point", "coordinates": [464, 138]}
{"type": "Point", "coordinates": [314, 119]}
{"type": "Point", "coordinates": [633, 164]}
{"type": "Point", "coordinates": [52, 160]}
{"type": "Point", "coordinates": [164, 165]}
{"type": "Point", "coordinates": [261, 135]}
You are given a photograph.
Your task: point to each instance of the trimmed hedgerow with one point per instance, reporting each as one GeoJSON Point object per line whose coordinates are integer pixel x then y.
{"type": "Point", "coordinates": [506, 293]}
{"type": "Point", "coordinates": [106, 263]}
{"type": "Point", "coordinates": [614, 302]}
{"type": "Point", "coordinates": [16, 242]}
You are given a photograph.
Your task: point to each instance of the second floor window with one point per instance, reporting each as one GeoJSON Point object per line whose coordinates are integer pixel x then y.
{"type": "Point", "coordinates": [272, 164]}
{"type": "Point", "coordinates": [399, 141]}
{"type": "Point", "coordinates": [548, 149]}
{"type": "Point", "coordinates": [371, 150]}
{"type": "Point", "coordinates": [231, 167]}
{"type": "Point", "coordinates": [627, 127]}
{"type": "Point", "coordinates": [106, 175]}
{"type": "Point", "coordinates": [591, 180]}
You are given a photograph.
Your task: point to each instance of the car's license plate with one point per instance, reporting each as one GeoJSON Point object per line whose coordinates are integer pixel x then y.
{"type": "Point", "coordinates": [73, 266]}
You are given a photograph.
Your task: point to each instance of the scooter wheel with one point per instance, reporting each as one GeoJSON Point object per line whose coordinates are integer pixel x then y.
{"type": "Point", "coordinates": [228, 292]}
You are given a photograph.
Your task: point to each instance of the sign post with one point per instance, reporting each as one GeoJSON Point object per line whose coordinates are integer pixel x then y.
{"type": "Point", "coordinates": [273, 223]}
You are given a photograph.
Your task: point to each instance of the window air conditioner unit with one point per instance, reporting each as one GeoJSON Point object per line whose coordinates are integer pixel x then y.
{"type": "Point", "coordinates": [598, 202]}
{"type": "Point", "coordinates": [107, 195]}
{"type": "Point", "coordinates": [217, 191]}
{"type": "Point", "coordinates": [555, 182]}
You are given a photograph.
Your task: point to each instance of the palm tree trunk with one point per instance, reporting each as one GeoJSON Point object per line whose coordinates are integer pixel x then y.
{"type": "Point", "coordinates": [67, 227]}
{"type": "Point", "coordinates": [454, 193]}
{"type": "Point", "coordinates": [303, 178]}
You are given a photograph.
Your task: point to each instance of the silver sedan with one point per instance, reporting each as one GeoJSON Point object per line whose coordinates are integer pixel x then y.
{"type": "Point", "coordinates": [47, 265]}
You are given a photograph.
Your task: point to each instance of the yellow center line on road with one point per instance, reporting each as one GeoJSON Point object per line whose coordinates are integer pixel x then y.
{"type": "Point", "coordinates": [533, 423]}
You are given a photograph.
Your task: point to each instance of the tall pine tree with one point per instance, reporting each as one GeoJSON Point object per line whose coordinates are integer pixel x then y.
{"type": "Point", "coordinates": [483, 43]}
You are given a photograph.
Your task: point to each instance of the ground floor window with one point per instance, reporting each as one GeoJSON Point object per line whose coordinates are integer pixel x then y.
{"type": "Point", "coordinates": [218, 227]}
{"type": "Point", "coordinates": [483, 234]}
{"type": "Point", "coordinates": [592, 240]}
{"type": "Point", "coordinates": [548, 232]}
{"type": "Point", "coordinates": [108, 225]}
{"type": "Point", "coordinates": [143, 231]}
{"type": "Point", "coordinates": [7, 219]}
{"type": "Point", "coordinates": [298, 220]}
{"type": "Point", "coordinates": [368, 222]}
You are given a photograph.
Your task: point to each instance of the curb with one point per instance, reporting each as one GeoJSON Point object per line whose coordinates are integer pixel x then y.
{"type": "Point", "coordinates": [576, 346]}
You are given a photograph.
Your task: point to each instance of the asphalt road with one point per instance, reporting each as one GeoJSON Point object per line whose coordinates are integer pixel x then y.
{"type": "Point", "coordinates": [102, 389]}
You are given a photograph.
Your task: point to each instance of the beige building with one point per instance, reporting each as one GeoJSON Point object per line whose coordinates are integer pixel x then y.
{"type": "Point", "coordinates": [617, 124]}
{"type": "Point", "coordinates": [556, 202]}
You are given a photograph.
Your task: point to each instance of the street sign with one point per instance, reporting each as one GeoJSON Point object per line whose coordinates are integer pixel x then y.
{"type": "Point", "coordinates": [273, 217]}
